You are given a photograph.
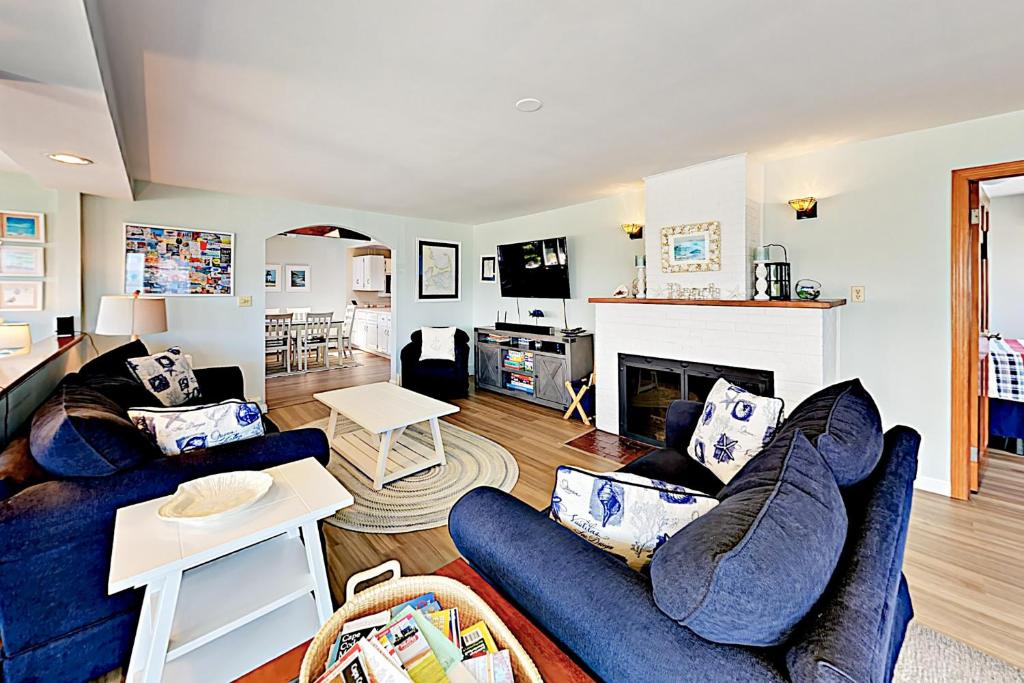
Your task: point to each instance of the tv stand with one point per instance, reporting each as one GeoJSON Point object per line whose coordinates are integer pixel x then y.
{"type": "Point", "coordinates": [530, 366]}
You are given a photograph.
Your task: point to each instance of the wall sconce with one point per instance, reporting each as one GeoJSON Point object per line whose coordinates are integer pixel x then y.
{"type": "Point", "coordinates": [634, 230]}
{"type": "Point", "coordinates": [806, 207]}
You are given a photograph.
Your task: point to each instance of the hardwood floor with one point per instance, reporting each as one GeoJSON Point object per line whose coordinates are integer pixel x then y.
{"type": "Point", "coordinates": [964, 559]}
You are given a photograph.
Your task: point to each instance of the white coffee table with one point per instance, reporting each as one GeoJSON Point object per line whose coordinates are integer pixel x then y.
{"type": "Point", "coordinates": [384, 410]}
{"type": "Point", "coordinates": [223, 599]}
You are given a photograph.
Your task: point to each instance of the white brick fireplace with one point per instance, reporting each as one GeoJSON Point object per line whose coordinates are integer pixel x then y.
{"type": "Point", "coordinates": [797, 341]}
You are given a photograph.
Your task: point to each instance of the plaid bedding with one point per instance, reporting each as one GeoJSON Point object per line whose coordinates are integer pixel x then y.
{"type": "Point", "coordinates": [1006, 369]}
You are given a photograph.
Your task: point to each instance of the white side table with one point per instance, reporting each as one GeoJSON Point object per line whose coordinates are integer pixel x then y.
{"type": "Point", "coordinates": [222, 600]}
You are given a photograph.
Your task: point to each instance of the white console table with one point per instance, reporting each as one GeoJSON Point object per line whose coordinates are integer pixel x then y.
{"type": "Point", "coordinates": [223, 599]}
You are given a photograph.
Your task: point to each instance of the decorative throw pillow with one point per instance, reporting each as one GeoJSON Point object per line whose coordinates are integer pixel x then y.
{"type": "Point", "coordinates": [167, 375]}
{"type": "Point", "coordinates": [733, 428]}
{"type": "Point", "coordinates": [626, 515]}
{"type": "Point", "coordinates": [438, 343]}
{"type": "Point", "coordinates": [179, 431]}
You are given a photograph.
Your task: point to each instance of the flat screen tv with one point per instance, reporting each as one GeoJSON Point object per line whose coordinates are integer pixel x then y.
{"type": "Point", "coordinates": [537, 269]}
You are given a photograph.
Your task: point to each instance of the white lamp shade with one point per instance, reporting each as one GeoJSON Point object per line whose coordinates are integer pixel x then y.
{"type": "Point", "coordinates": [15, 339]}
{"type": "Point", "coordinates": [127, 315]}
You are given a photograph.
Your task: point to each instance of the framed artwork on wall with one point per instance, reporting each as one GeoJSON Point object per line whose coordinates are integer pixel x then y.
{"type": "Point", "coordinates": [692, 248]}
{"type": "Point", "coordinates": [178, 261]}
{"type": "Point", "coordinates": [438, 275]}
{"type": "Point", "coordinates": [297, 279]}
{"type": "Point", "coordinates": [21, 296]}
{"type": "Point", "coordinates": [21, 261]}
{"type": "Point", "coordinates": [488, 269]}
{"type": "Point", "coordinates": [272, 277]}
{"type": "Point", "coordinates": [20, 226]}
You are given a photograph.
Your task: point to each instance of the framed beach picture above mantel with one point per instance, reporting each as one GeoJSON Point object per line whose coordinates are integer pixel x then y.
{"type": "Point", "coordinates": [19, 226]}
{"type": "Point", "coordinates": [178, 261]}
{"type": "Point", "coordinates": [692, 248]}
{"type": "Point", "coordinates": [439, 276]}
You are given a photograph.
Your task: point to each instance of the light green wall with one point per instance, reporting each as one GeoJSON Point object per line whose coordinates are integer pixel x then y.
{"type": "Point", "coordinates": [62, 294]}
{"type": "Point", "coordinates": [215, 329]}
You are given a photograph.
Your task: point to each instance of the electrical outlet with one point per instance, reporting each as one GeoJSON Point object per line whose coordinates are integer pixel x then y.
{"type": "Point", "coordinates": [857, 294]}
{"type": "Point", "coordinates": [244, 301]}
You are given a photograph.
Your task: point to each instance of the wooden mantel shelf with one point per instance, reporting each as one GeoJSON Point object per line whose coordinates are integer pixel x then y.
{"type": "Point", "coordinates": [794, 303]}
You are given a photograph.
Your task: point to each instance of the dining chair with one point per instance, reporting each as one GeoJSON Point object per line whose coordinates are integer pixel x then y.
{"type": "Point", "coordinates": [345, 338]}
{"type": "Point", "coordinates": [299, 313]}
{"type": "Point", "coordinates": [274, 311]}
{"type": "Point", "coordinates": [278, 337]}
{"type": "Point", "coordinates": [314, 335]}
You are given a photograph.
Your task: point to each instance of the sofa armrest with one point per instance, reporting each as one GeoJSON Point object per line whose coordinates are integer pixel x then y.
{"type": "Point", "coordinates": [680, 422]}
{"type": "Point", "coordinates": [587, 599]}
{"type": "Point", "coordinates": [48, 514]}
{"type": "Point", "coordinates": [220, 384]}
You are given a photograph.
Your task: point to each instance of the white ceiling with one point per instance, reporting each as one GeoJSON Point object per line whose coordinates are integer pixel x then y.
{"type": "Point", "coordinates": [1004, 187]}
{"type": "Point", "coordinates": [406, 107]}
{"type": "Point", "coordinates": [53, 99]}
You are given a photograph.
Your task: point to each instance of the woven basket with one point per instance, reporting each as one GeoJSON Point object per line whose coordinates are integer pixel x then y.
{"type": "Point", "coordinates": [450, 593]}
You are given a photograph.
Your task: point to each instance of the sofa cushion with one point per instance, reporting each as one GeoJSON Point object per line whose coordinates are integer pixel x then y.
{"type": "Point", "coordinates": [669, 465]}
{"type": "Point", "coordinates": [733, 428]}
{"type": "Point", "coordinates": [179, 430]}
{"type": "Point", "coordinates": [18, 469]}
{"type": "Point", "coordinates": [78, 432]}
{"type": "Point", "coordinates": [749, 570]}
{"type": "Point", "coordinates": [168, 375]}
{"type": "Point", "coordinates": [624, 514]}
{"type": "Point", "coordinates": [126, 392]}
{"type": "Point", "coordinates": [112, 363]}
{"type": "Point", "coordinates": [843, 423]}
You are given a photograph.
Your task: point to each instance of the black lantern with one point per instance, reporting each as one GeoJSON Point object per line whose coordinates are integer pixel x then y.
{"type": "Point", "coordinates": [773, 276]}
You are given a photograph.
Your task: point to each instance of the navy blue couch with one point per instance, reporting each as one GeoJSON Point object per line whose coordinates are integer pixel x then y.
{"type": "Point", "coordinates": [57, 622]}
{"type": "Point", "coordinates": [606, 614]}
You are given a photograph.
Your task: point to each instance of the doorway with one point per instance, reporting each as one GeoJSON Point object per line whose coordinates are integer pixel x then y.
{"type": "Point", "coordinates": [973, 348]}
{"type": "Point", "coordinates": [323, 293]}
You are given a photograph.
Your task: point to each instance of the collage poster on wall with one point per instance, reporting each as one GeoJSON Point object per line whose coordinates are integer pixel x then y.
{"type": "Point", "coordinates": [178, 262]}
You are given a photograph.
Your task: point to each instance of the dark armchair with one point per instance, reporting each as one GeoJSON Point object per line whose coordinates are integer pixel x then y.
{"type": "Point", "coordinates": [441, 379]}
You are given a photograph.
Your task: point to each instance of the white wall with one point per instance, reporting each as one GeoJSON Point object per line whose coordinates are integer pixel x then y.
{"type": "Point", "coordinates": [713, 191]}
{"type": "Point", "coordinates": [1005, 257]}
{"type": "Point", "coordinates": [62, 292]}
{"type": "Point", "coordinates": [329, 272]}
{"type": "Point", "coordinates": [214, 329]}
{"type": "Point", "coordinates": [884, 222]}
{"type": "Point", "coordinates": [600, 257]}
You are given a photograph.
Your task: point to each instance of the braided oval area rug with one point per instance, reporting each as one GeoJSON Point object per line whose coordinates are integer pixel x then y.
{"type": "Point", "coordinates": [421, 500]}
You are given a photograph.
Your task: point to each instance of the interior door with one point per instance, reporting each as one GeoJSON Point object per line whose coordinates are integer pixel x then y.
{"type": "Point", "coordinates": [979, 343]}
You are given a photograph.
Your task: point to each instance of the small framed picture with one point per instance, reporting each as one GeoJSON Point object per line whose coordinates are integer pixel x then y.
{"type": "Point", "coordinates": [272, 277]}
{"type": "Point", "coordinates": [439, 277]}
{"type": "Point", "coordinates": [21, 296]}
{"type": "Point", "coordinates": [18, 226]}
{"type": "Point", "coordinates": [692, 248]}
{"type": "Point", "coordinates": [297, 279]}
{"type": "Point", "coordinates": [21, 261]}
{"type": "Point", "coordinates": [488, 269]}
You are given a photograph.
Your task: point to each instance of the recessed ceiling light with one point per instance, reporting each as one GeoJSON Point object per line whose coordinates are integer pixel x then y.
{"type": "Point", "coordinates": [529, 104]}
{"type": "Point", "coordinates": [68, 158]}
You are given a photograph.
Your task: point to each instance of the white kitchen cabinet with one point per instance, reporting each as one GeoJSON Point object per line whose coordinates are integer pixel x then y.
{"type": "Point", "coordinates": [368, 273]}
{"type": "Point", "coordinates": [371, 331]}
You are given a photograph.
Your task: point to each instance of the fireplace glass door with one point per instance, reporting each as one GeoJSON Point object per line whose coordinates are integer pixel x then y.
{"type": "Point", "coordinates": [650, 391]}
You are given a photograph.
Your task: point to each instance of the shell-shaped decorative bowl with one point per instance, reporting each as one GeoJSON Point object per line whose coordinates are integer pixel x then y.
{"type": "Point", "coordinates": [209, 499]}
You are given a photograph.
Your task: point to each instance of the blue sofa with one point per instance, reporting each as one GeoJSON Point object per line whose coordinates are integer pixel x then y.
{"type": "Point", "coordinates": [608, 616]}
{"type": "Point", "coordinates": [57, 622]}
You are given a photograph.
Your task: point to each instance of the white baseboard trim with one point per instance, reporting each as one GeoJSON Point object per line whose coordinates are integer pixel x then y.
{"type": "Point", "coordinates": [932, 485]}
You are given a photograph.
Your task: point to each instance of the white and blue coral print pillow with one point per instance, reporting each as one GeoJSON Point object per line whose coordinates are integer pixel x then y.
{"type": "Point", "coordinates": [733, 428]}
{"type": "Point", "coordinates": [180, 431]}
{"type": "Point", "coordinates": [167, 375]}
{"type": "Point", "coordinates": [624, 514]}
